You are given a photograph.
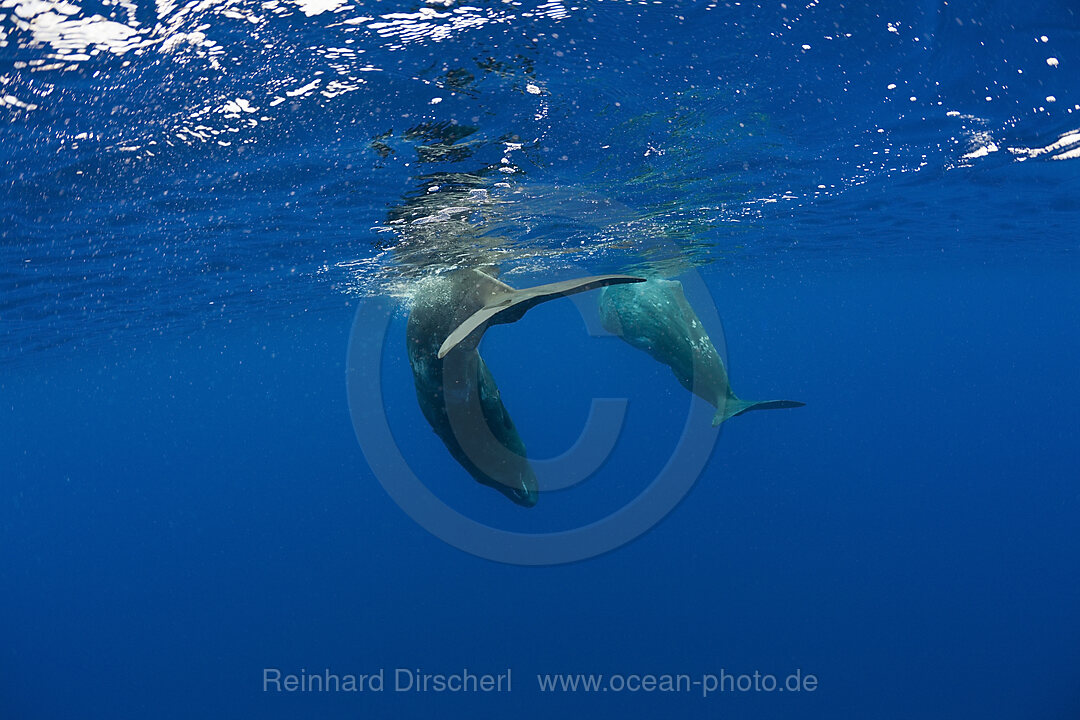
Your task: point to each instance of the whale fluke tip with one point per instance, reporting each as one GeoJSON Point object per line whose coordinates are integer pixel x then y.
{"type": "Point", "coordinates": [734, 407]}
{"type": "Point", "coordinates": [509, 305]}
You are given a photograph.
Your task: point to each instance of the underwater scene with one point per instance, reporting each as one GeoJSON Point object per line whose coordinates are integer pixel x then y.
{"type": "Point", "coordinates": [539, 358]}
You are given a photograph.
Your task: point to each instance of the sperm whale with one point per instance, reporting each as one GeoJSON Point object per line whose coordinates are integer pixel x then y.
{"type": "Point", "coordinates": [655, 316]}
{"type": "Point", "coordinates": [454, 387]}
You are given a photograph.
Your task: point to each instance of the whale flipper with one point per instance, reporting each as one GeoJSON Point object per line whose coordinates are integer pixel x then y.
{"type": "Point", "coordinates": [504, 304]}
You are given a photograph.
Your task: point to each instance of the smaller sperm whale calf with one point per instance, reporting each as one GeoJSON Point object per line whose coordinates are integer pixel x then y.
{"type": "Point", "coordinates": [655, 316]}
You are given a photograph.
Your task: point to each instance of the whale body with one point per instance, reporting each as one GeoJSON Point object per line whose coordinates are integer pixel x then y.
{"type": "Point", "coordinates": [454, 387]}
{"type": "Point", "coordinates": [655, 316]}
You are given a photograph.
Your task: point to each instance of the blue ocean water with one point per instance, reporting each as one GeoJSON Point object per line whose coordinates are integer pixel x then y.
{"type": "Point", "coordinates": [202, 200]}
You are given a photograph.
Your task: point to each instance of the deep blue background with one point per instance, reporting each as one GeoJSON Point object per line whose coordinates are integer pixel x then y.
{"type": "Point", "coordinates": [183, 500]}
{"type": "Point", "coordinates": [186, 513]}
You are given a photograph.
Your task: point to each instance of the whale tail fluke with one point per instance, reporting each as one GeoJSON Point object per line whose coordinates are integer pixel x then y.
{"type": "Point", "coordinates": [505, 304]}
{"type": "Point", "coordinates": [734, 406]}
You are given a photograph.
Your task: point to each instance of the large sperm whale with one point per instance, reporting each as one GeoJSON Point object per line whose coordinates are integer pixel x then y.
{"type": "Point", "coordinates": [455, 388]}
{"type": "Point", "coordinates": [655, 316]}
